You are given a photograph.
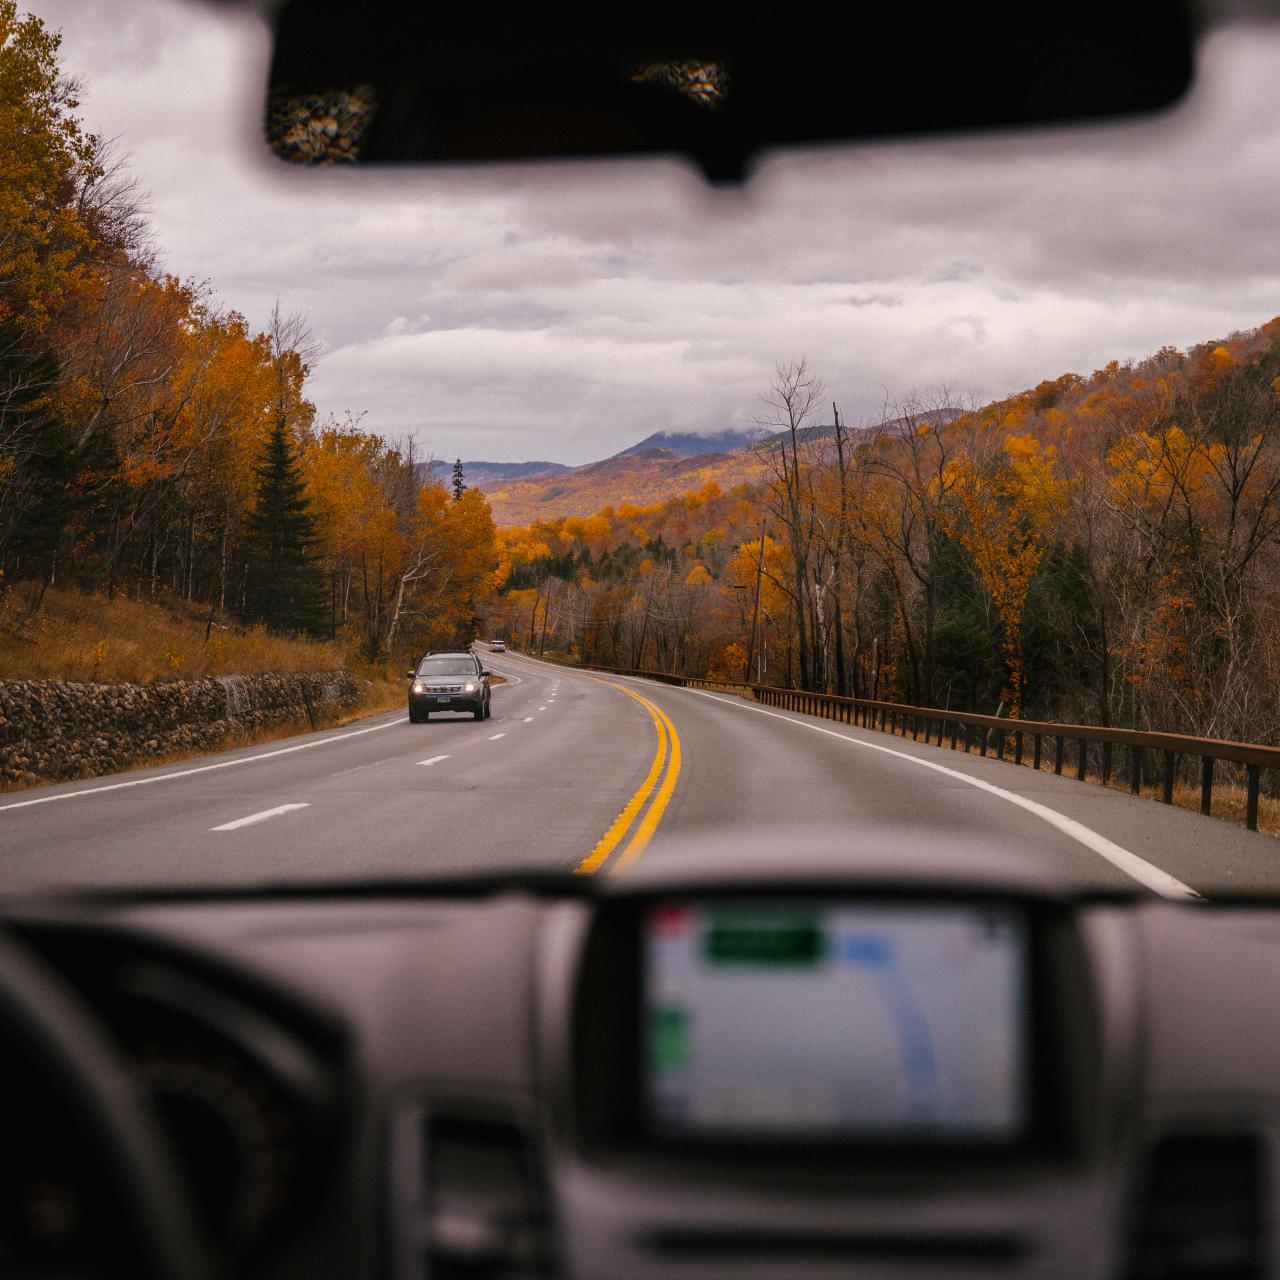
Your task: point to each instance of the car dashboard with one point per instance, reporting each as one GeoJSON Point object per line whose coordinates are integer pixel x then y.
{"type": "Point", "coordinates": [754, 1056]}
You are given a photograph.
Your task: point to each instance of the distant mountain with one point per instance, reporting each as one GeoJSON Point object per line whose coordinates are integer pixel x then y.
{"type": "Point", "coordinates": [827, 431]}
{"type": "Point", "coordinates": [654, 469]}
{"type": "Point", "coordinates": [685, 444]}
{"type": "Point", "coordinates": [639, 478]}
{"type": "Point", "coordinates": [483, 475]}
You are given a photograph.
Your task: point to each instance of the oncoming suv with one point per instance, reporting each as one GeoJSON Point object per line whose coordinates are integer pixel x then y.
{"type": "Point", "coordinates": [448, 682]}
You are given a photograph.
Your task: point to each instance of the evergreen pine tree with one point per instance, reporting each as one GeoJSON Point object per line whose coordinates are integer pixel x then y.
{"type": "Point", "coordinates": [458, 487]}
{"type": "Point", "coordinates": [286, 588]}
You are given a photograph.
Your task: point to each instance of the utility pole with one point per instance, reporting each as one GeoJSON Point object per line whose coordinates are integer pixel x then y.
{"type": "Point", "coordinates": [755, 611]}
{"type": "Point", "coordinates": [644, 627]}
{"type": "Point", "coordinates": [546, 609]}
{"type": "Point", "coordinates": [533, 617]}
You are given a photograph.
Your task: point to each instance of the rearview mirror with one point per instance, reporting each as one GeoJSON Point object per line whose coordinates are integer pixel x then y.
{"type": "Point", "coordinates": [411, 673]}
{"type": "Point", "coordinates": [397, 81]}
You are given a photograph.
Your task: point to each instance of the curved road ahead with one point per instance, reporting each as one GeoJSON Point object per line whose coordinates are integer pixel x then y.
{"type": "Point", "coordinates": [584, 771]}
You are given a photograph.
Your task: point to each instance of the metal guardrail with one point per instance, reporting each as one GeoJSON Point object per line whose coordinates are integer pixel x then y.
{"type": "Point", "coordinates": [944, 727]}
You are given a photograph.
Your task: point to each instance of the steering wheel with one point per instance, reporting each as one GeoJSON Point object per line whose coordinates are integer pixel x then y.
{"type": "Point", "coordinates": [44, 1027]}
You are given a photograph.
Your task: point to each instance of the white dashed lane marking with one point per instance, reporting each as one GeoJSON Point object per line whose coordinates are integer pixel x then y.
{"type": "Point", "coordinates": [494, 737]}
{"type": "Point", "coordinates": [434, 760]}
{"type": "Point", "coordinates": [258, 817]}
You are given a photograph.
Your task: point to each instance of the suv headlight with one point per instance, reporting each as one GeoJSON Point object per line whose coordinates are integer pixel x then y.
{"type": "Point", "coordinates": [419, 687]}
{"type": "Point", "coordinates": [469, 687]}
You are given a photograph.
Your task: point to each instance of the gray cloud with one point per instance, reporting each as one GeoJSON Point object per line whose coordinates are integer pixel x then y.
{"type": "Point", "coordinates": [565, 311]}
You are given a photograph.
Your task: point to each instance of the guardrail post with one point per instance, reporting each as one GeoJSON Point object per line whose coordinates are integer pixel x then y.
{"type": "Point", "coordinates": [1135, 769]}
{"type": "Point", "coordinates": [968, 737]}
{"type": "Point", "coordinates": [893, 723]}
{"type": "Point", "coordinates": [1035, 753]}
{"type": "Point", "coordinates": [1082, 759]}
{"type": "Point", "coordinates": [982, 743]}
{"type": "Point", "coordinates": [1169, 759]}
{"type": "Point", "coordinates": [942, 729]}
{"type": "Point", "coordinates": [1206, 784]}
{"type": "Point", "coordinates": [915, 728]}
{"type": "Point", "coordinates": [955, 729]}
{"type": "Point", "coordinates": [1017, 746]}
{"type": "Point", "coordinates": [1106, 763]}
{"type": "Point", "coordinates": [1251, 802]}
{"type": "Point", "coordinates": [1057, 755]}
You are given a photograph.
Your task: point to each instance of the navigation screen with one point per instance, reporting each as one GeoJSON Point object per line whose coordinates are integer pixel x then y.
{"type": "Point", "coordinates": [818, 1020]}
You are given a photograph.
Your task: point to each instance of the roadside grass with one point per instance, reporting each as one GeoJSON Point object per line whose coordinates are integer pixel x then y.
{"type": "Point", "coordinates": [88, 638]}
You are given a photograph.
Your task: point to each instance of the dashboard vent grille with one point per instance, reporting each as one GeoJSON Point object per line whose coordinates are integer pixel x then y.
{"type": "Point", "coordinates": [486, 1211]}
{"type": "Point", "coordinates": [1202, 1210]}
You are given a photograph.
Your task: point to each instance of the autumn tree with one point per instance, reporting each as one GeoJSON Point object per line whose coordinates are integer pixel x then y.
{"type": "Point", "coordinates": [1004, 511]}
{"type": "Point", "coordinates": [47, 161]}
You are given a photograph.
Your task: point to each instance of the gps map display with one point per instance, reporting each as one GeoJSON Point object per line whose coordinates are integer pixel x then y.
{"type": "Point", "coordinates": [836, 1021]}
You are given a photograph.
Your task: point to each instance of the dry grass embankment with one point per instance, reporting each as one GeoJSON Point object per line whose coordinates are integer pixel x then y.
{"type": "Point", "coordinates": [71, 636]}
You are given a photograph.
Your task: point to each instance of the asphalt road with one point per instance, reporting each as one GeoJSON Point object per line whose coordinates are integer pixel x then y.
{"type": "Point", "coordinates": [584, 771]}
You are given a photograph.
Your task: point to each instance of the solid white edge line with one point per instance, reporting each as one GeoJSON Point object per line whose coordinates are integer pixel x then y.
{"type": "Point", "coordinates": [204, 768]}
{"type": "Point", "coordinates": [259, 817]}
{"type": "Point", "coordinates": [435, 759]}
{"type": "Point", "coordinates": [1134, 867]}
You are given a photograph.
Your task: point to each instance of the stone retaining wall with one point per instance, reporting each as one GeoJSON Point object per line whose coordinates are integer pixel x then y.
{"type": "Point", "coordinates": [51, 730]}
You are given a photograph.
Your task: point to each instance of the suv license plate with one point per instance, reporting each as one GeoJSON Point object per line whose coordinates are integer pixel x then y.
{"type": "Point", "coordinates": [444, 697]}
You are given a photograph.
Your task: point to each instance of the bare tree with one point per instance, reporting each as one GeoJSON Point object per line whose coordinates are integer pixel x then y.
{"type": "Point", "coordinates": [787, 423]}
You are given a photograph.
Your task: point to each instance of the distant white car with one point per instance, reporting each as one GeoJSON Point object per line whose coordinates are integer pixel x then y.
{"type": "Point", "coordinates": [497, 646]}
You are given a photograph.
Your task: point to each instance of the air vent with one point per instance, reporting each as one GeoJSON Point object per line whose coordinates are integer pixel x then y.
{"type": "Point", "coordinates": [1201, 1212]}
{"type": "Point", "coordinates": [486, 1212]}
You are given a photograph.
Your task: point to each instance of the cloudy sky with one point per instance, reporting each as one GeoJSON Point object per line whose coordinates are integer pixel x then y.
{"type": "Point", "coordinates": [565, 312]}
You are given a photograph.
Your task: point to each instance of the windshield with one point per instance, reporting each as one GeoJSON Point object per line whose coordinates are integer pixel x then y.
{"type": "Point", "coordinates": [926, 484]}
{"type": "Point", "coordinates": [449, 666]}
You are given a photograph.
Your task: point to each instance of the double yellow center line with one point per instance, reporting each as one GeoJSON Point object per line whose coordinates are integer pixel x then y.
{"type": "Point", "coordinates": [662, 775]}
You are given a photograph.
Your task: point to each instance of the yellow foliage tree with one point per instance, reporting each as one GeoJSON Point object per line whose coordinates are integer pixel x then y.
{"type": "Point", "coordinates": [1004, 514]}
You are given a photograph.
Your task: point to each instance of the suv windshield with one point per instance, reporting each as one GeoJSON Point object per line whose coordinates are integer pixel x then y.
{"type": "Point", "coordinates": [450, 665]}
